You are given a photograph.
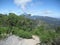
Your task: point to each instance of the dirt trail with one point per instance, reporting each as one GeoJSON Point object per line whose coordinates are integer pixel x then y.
{"type": "Point", "coordinates": [15, 40]}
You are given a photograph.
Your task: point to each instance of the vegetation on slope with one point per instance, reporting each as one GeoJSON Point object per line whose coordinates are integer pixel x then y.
{"type": "Point", "coordinates": [25, 28]}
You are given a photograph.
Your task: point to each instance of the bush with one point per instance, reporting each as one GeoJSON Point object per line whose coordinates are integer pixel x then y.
{"type": "Point", "coordinates": [3, 32]}
{"type": "Point", "coordinates": [22, 33]}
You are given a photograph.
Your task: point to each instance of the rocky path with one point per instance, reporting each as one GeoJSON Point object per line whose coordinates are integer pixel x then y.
{"type": "Point", "coordinates": [15, 40]}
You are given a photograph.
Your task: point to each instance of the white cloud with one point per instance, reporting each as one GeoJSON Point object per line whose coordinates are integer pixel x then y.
{"type": "Point", "coordinates": [47, 12]}
{"type": "Point", "coordinates": [22, 3]}
{"type": "Point", "coordinates": [50, 13]}
{"type": "Point", "coordinates": [44, 13]}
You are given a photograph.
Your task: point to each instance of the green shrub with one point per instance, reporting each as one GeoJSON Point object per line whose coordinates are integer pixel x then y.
{"type": "Point", "coordinates": [22, 33]}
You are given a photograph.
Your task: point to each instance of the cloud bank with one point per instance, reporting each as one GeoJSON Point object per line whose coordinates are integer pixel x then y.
{"type": "Point", "coordinates": [47, 12]}
{"type": "Point", "coordinates": [22, 3]}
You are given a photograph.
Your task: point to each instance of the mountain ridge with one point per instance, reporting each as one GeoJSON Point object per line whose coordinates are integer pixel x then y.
{"type": "Point", "coordinates": [47, 19]}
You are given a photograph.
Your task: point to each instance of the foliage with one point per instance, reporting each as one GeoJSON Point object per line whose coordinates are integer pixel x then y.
{"type": "Point", "coordinates": [26, 27]}
{"type": "Point", "coordinates": [18, 25]}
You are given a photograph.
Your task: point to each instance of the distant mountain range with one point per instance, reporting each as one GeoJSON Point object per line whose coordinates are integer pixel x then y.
{"type": "Point", "coordinates": [49, 20]}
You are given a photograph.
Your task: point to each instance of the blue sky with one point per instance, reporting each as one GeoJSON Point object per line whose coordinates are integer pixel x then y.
{"type": "Point", "coordinates": [35, 7]}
